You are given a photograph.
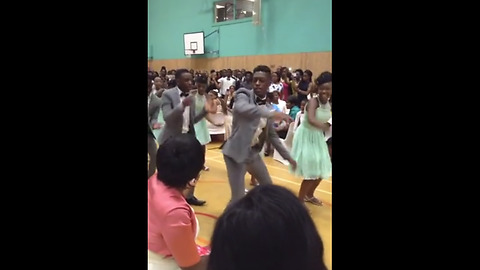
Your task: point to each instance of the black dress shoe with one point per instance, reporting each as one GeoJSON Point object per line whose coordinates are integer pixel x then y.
{"type": "Point", "coordinates": [195, 201]}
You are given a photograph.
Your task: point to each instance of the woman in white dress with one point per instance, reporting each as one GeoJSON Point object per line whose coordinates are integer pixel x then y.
{"type": "Point", "coordinates": [216, 120]}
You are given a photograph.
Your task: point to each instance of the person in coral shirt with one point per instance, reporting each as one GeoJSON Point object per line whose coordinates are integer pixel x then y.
{"type": "Point", "coordinates": [172, 224]}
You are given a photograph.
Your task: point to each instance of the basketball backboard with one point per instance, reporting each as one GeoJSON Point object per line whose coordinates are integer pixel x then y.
{"type": "Point", "coordinates": [194, 43]}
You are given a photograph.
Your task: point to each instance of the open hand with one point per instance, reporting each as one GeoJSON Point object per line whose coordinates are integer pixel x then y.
{"type": "Point", "coordinates": [187, 101]}
{"type": "Point", "coordinates": [210, 105]}
{"type": "Point", "coordinates": [282, 117]}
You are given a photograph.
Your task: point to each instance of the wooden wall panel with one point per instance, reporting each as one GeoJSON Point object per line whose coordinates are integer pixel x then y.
{"type": "Point", "coordinates": [317, 62]}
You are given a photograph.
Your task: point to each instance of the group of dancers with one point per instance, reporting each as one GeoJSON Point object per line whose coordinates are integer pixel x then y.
{"type": "Point", "coordinates": [254, 122]}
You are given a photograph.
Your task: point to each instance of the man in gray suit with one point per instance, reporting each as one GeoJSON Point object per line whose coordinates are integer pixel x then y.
{"type": "Point", "coordinates": [153, 110]}
{"type": "Point", "coordinates": [252, 125]}
{"type": "Point", "coordinates": [178, 107]}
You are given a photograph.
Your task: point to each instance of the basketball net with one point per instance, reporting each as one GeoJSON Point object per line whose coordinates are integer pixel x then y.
{"type": "Point", "coordinates": [189, 55]}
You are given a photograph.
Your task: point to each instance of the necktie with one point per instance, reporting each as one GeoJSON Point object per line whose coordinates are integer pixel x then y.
{"type": "Point", "coordinates": [260, 101]}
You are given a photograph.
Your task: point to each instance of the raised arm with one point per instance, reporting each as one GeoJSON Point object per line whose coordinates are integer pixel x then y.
{"type": "Point", "coordinates": [170, 112]}
{"type": "Point", "coordinates": [224, 105]}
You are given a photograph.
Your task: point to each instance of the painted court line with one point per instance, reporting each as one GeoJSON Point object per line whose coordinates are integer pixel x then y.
{"type": "Point", "coordinates": [278, 178]}
{"type": "Point", "coordinates": [207, 215]}
{"type": "Point", "coordinates": [202, 241]}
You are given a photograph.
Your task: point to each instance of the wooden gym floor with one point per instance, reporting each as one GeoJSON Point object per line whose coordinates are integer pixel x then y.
{"type": "Point", "coordinates": [214, 188]}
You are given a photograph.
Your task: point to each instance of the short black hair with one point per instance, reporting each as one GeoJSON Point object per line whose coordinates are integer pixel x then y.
{"type": "Point", "coordinates": [179, 160]}
{"type": "Point", "coordinates": [324, 77]}
{"type": "Point", "coordinates": [309, 72]}
{"type": "Point", "coordinates": [270, 95]}
{"type": "Point", "coordinates": [213, 70]}
{"type": "Point", "coordinates": [279, 76]}
{"type": "Point", "coordinates": [248, 72]}
{"type": "Point", "coordinates": [263, 68]}
{"type": "Point", "coordinates": [269, 228]}
{"type": "Point", "coordinates": [179, 72]}
{"type": "Point", "coordinates": [150, 75]}
{"type": "Point", "coordinates": [293, 100]}
{"type": "Point", "coordinates": [171, 83]}
{"type": "Point", "coordinates": [299, 71]}
{"type": "Point", "coordinates": [201, 79]}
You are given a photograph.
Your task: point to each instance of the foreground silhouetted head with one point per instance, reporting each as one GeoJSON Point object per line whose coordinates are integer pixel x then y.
{"type": "Point", "coordinates": [269, 228]}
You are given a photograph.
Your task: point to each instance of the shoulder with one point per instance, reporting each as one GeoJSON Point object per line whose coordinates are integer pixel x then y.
{"type": "Point", "coordinates": [244, 91]}
{"type": "Point", "coordinates": [170, 92]}
{"type": "Point", "coordinates": [166, 200]}
{"type": "Point", "coordinates": [155, 99]}
{"type": "Point", "coordinates": [180, 214]}
{"type": "Point", "coordinates": [312, 102]}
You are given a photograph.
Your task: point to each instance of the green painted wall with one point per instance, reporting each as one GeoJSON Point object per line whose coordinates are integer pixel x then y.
{"type": "Point", "coordinates": [288, 26]}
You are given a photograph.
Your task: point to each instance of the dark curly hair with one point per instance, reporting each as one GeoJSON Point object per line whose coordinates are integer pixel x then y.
{"type": "Point", "coordinates": [267, 229]}
{"type": "Point", "coordinates": [325, 77]}
{"type": "Point", "coordinates": [179, 160]}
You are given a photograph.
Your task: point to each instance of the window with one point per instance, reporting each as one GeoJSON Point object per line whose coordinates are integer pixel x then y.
{"type": "Point", "coordinates": [244, 9]}
{"type": "Point", "coordinates": [231, 10]}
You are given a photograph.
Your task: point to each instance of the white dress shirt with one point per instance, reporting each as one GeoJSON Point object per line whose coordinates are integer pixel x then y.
{"type": "Point", "coordinates": [261, 125]}
{"type": "Point", "coordinates": [225, 84]}
{"type": "Point", "coordinates": [186, 114]}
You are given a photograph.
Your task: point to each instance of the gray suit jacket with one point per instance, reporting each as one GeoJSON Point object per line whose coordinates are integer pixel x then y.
{"type": "Point", "coordinates": [246, 118]}
{"type": "Point", "coordinates": [153, 110]}
{"type": "Point", "coordinates": [172, 110]}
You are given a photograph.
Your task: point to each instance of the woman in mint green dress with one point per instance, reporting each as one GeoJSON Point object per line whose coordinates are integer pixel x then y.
{"type": "Point", "coordinates": [309, 149]}
{"type": "Point", "coordinates": [201, 129]}
{"type": "Point", "coordinates": [158, 132]}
